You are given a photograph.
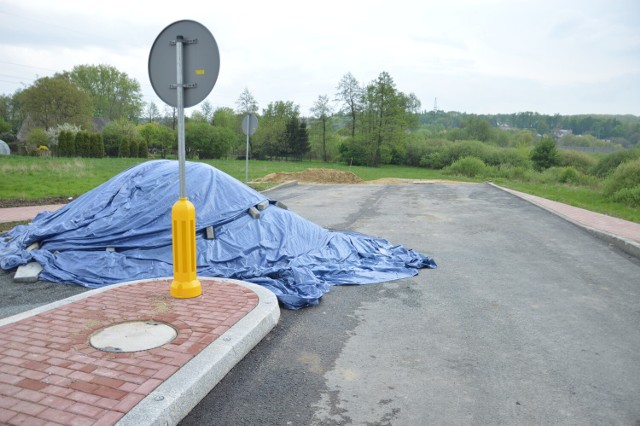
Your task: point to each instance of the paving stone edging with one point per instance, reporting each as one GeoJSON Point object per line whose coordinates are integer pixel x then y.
{"type": "Point", "coordinates": [628, 246]}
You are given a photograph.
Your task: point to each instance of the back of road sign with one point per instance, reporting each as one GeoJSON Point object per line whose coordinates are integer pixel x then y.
{"type": "Point", "coordinates": [201, 63]}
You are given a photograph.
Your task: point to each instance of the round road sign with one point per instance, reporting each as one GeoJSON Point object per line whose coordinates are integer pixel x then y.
{"type": "Point", "coordinates": [201, 62]}
{"type": "Point", "coordinates": [249, 124]}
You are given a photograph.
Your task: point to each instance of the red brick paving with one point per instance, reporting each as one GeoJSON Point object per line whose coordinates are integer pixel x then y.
{"type": "Point", "coordinates": [49, 374]}
{"type": "Point", "coordinates": [602, 222]}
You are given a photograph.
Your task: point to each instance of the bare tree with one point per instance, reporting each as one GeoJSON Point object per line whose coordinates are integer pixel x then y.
{"type": "Point", "coordinates": [246, 103]}
{"type": "Point", "coordinates": [322, 110]}
{"type": "Point", "coordinates": [349, 93]}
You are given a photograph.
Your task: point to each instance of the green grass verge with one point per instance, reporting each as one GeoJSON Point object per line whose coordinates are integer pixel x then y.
{"type": "Point", "coordinates": [577, 196]}
{"type": "Point", "coordinates": [34, 177]}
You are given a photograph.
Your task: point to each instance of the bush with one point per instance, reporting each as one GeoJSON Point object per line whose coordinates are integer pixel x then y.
{"type": "Point", "coordinates": [566, 175]}
{"type": "Point", "coordinates": [609, 162]}
{"type": "Point", "coordinates": [545, 154]}
{"type": "Point", "coordinates": [625, 177]}
{"type": "Point", "coordinates": [628, 196]}
{"type": "Point", "coordinates": [579, 160]}
{"type": "Point", "coordinates": [467, 166]}
{"type": "Point", "coordinates": [516, 173]}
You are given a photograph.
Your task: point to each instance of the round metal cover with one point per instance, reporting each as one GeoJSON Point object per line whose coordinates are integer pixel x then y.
{"type": "Point", "coordinates": [133, 336]}
{"type": "Point", "coordinates": [200, 63]}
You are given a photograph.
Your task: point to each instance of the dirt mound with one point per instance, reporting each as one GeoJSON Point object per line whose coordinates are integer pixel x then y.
{"type": "Point", "coordinates": [313, 176]}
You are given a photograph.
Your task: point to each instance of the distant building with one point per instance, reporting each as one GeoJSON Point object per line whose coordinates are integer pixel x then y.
{"type": "Point", "coordinates": [559, 133]}
{"type": "Point", "coordinates": [4, 148]}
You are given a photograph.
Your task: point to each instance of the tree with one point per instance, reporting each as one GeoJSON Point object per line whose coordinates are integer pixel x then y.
{"type": "Point", "coordinates": [385, 113]}
{"type": "Point", "coordinates": [152, 113]}
{"type": "Point", "coordinates": [51, 101]}
{"type": "Point", "coordinates": [114, 95]}
{"type": "Point", "coordinates": [545, 154]}
{"type": "Point", "coordinates": [271, 140]}
{"type": "Point", "coordinates": [207, 111]}
{"type": "Point", "coordinates": [83, 144]}
{"type": "Point", "coordinates": [297, 138]}
{"type": "Point", "coordinates": [97, 145]}
{"type": "Point", "coordinates": [66, 143]}
{"type": "Point", "coordinates": [349, 93]}
{"type": "Point", "coordinates": [207, 140]}
{"type": "Point", "coordinates": [227, 118]}
{"type": "Point", "coordinates": [117, 137]}
{"type": "Point", "coordinates": [322, 110]}
{"type": "Point", "coordinates": [246, 103]}
{"type": "Point", "coordinates": [158, 137]}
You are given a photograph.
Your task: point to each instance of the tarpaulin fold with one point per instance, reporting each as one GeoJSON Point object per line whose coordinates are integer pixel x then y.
{"type": "Point", "coordinates": [131, 216]}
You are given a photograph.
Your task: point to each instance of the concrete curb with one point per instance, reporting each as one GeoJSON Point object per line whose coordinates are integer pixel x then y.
{"type": "Point", "coordinates": [175, 398]}
{"type": "Point", "coordinates": [282, 185]}
{"type": "Point", "coordinates": [172, 400]}
{"type": "Point", "coordinates": [628, 246]}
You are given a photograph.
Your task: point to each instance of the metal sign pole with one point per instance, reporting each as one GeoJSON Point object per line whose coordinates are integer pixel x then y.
{"type": "Point", "coordinates": [199, 68]}
{"type": "Point", "coordinates": [183, 214]}
{"type": "Point", "coordinates": [180, 107]}
{"type": "Point", "coordinates": [246, 157]}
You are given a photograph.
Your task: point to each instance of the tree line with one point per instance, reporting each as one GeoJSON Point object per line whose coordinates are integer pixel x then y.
{"type": "Point", "coordinates": [362, 124]}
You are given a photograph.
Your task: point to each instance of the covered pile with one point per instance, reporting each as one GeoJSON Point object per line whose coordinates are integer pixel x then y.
{"type": "Point", "coordinates": [121, 231]}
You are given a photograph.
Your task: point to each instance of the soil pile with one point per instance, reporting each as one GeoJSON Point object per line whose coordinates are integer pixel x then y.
{"type": "Point", "coordinates": [313, 176]}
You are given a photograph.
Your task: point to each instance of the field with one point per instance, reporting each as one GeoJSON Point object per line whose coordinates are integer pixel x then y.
{"type": "Point", "coordinates": [31, 179]}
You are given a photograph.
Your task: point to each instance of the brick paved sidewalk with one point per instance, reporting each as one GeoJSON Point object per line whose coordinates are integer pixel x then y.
{"type": "Point", "coordinates": [50, 374]}
{"type": "Point", "coordinates": [599, 221]}
{"type": "Point", "coordinates": [15, 214]}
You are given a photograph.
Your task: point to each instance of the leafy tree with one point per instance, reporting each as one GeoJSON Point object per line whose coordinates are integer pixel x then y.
{"type": "Point", "coordinates": [158, 137]}
{"type": "Point", "coordinates": [297, 138]}
{"type": "Point", "coordinates": [350, 93]}
{"type": "Point", "coordinates": [545, 154]}
{"type": "Point", "coordinates": [66, 143]}
{"type": "Point", "coordinates": [117, 137]}
{"type": "Point", "coordinates": [226, 118]}
{"type": "Point", "coordinates": [322, 110]}
{"type": "Point", "coordinates": [83, 144]}
{"type": "Point", "coordinates": [113, 94]}
{"type": "Point", "coordinates": [246, 103]}
{"type": "Point", "coordinates": [97, 145]}
{"type": "Point", "coordinates": [143, 149]}
{"type": "Point", "coordinates": [198, 117]}
{"type": "Point", "coordinates": [384, 119]}
{"type": "Point", "coordinates": [271, 140]}
{"type": "Point", "coordinates": [477, 129]}
{"type": "Point", "coordinates": [51, 101]}
{"type": "Point", "coordinates": [207, 140]}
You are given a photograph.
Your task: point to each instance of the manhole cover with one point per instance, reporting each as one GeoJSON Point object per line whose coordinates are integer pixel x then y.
{"type": "Point", "coordinates": [133, 336]}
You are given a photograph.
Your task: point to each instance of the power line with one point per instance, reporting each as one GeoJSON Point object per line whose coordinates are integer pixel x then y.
{"type": "Point", "coordinates": [27, 66]}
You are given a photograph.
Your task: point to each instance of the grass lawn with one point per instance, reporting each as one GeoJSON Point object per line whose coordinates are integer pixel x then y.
{"type": "Point", "coordinates": [38, 177]}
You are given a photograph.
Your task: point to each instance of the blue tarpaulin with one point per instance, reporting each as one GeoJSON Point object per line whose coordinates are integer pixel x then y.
{"type": "Point", "coordinates": [131, 216]}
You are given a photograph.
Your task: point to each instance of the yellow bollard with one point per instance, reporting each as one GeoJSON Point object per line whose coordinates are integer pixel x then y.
{"type": "Point", "coordinates": [185, 283]}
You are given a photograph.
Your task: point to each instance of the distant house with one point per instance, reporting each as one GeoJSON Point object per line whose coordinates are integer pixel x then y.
{"type": "Point", "coordinates": [4, 148]}
{"type": "Point", "coordinates": [560, 133]}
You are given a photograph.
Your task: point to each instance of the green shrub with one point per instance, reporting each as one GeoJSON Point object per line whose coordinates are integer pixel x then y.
{"type": "Point", "coordinates": [545, 154]}
{"type": "Point", "coordinates": [467, 166]}
{"type": "Point", "coordinates": [516, 173]}
{"type": "Point", "coordinates": [627, 196]}
{"type": "Point", "coordinates": [580, 160]}
{"type": "Point", "coordinates": [609, 162]}
{"type": "Point", "coordinates": [566, 175]}
{"type": "Point", "coordinates": [625, 177]}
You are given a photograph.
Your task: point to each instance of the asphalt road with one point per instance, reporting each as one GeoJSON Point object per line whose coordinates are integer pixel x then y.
{"type": "Point", "coordinates": [527, 320]}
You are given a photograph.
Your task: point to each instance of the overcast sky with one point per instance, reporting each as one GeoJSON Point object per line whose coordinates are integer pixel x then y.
{"type": "Point", "coordinates": [484, 56]}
